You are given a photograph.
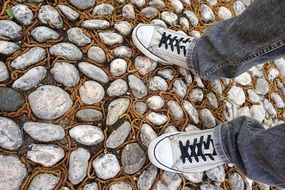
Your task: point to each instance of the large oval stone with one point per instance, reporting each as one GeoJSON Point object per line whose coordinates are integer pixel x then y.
{"type": "Point", "coordinates": [49, 102]}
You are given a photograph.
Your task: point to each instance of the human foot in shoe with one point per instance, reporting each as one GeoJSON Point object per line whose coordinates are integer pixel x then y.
{"type": "Point", "coordinates": [162, 45]}
{"type": "Point", "coordinates": [184, 152]}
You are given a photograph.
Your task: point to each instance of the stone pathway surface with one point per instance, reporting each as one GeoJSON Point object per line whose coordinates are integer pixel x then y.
{"type": "Point", "coordinates": [79, 104]}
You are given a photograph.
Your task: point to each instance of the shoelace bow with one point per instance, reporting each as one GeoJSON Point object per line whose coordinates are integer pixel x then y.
{"type": "Point", "coordinates": [174, 42]}
{"type": "Point", "coordinates": [195, 150]}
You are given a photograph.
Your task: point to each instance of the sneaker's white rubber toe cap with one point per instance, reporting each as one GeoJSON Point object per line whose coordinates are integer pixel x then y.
{"type": "Point", "coordinates": [142, 36]}
{"type": "Point", "coordinates": [160, 153]}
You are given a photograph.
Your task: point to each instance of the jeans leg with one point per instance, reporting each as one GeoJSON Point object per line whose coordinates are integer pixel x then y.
{"type": "Point", "coordinates": [231, 47]}
{"type": "Point", "coordinates": [259, 153]}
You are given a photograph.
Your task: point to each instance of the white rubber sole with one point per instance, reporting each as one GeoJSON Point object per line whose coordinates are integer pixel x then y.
{"type": "Point", "coordinates": [142, 48]}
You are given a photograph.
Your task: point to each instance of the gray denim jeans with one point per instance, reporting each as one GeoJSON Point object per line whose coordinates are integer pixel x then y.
{"type": "Point", "coordinates": [228, 49]}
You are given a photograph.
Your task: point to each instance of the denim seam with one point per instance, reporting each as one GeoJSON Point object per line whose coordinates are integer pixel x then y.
{"type": "Point", "coordinates": [190, 54]}
{"type": "Point", "coordinates": [218, 145]}
{"type": "Point", "coordinates": [267, 50]}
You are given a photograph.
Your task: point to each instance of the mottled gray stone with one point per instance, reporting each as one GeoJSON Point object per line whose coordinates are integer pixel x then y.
{"type": "Point", "coordinates": [121, 186]}
{"type": "Point", "coordinates": [44, 181]}
{"type": "Point", "coordinates": [149, 12]}
{"type": "Point", "coordinates": [65, 73]}
{"type": "Point", "coordinates": [91, 186]}
{"type": "Point", "coordinates": [78, 164]}
{"type": "Point", "coordinates": [67, 50]}
{"type": "Point", "coordinates": [137, 86]}
{"type": "Point", "coordinates": [87, 134]}
{"type": "Point", "coordinates": [224, 13]}
{"type": "Point", "coordinates": [157, 83]}
{"type": "Point", "coordinates": [8, 48]}
{"type": "Point", "coordinates": [180, 88]}
{"type": "Point", "coordinates": [236, 95]}
{"type": "Point", "coordinates": [30, 79]}
{"type": "Point", "coordinates": [117, 88]}
{"type": "Point", "coordinates": [175, 110]}
{"type": "Point", "coordinates": [257, 112]}
{"type": "Point", "coordinates": [207, 186]}
{"type": "Point", "coordinates": [118, 67]}
{"type": "Point", "coordinates": [166, 73]}
{"type": "Point", "coordinates": [216, 174]}
{"type": "Point", "coordinates": [111, 38]}
{"type": "Point", "coordinates": [78, 37]}
{"type": "Point", "coordinates": [49, 102]}
{"type": "Point", "coordinates": [97, 54]}
{"type": "Point", "coordinates": [196, 177]}
{"type": "Point", "coordinates": [212, 100]}
{"type": "Point", "coordinates": [10, 29]}
{"type": "Point", "coordinates": [46, 155]}
{"type": "Point", "coordinates": [44, 132]}
{"type": "Point", "coordinates": [236, 182]}
{"type": "Point", "coordinates": [169, 181]}
{"type": "Point", "coordinates": [91, 92]}
{"type": "Point", "coordinates": [106, 166]}
{"type": "Point", "coordinates": [128, 12]}
{"type": "Point", "coordinates": [207, 118]}
{"type": "Point", "coordinates": [89, 115]}
{"type": "Point", "coordinates": [196, 95]}
{"type": "Point", "coordinates": [159, 4]}
{"type": "Point", "coordinates": [83, 4]}
{"type": "Point", "coordinates": [23, 14]}
{"type": "Point", "coordinates": [155, 102]}
{"type": "Point", "coordinates": [10, 99]}
{"type": "Point", "coordinates": [103, 9]}
{"type": "Point", "coordinates": [144, 65]}
{"type": "Point", "coordinates": [192, 17]}
{"type": "Point", "coordinates": [49, 16]}
{"type": "Point", "coordinates": [94, 24]}
{"type": "Point", "coordinates": [43, 33]}
{"type": "Point", "coordinates": [147, 134]}
{"type": "Point", "coordinates": [191, 111]}
{"type": "Point", "coordinates": [277, 100]}
{"type": "Point", "coordinates": [123, 27]}
{"type": "Point", "coordinates": [146, 179]}
{"type": "Point", "coordinates": [133, 158]}
{"type": "Point", "coordinates": [140, 107]}
{"type": "Point", "coordinates": [12, 172]}
{"type": "Point", "coordinates": [157, 118]}
{"type": "Point", "coordinates": [70, 14]}
{"type": "Point", "coordinates": [93, 72]}
{"type": "Point", "coordinates": [31, 57]}
{"type": "Point", "coordinates": [169, 17]}
{"type": "Point", "coordinates": [238, 7]}
{"type": "Point", "coordinates": [115, 109]}
{"type": "Point", "coordinates": [4, 73]}
{"type": "Point", "coordinates": [261, 86]}
{"type": "Point", "coordinates": [118, 136]}
{"type": "Point", "coordinates": [177, 6]}
{"type": "Point", "coordinates": [122, 52]}
{"type": "Point", "coordinates": [10, 134]}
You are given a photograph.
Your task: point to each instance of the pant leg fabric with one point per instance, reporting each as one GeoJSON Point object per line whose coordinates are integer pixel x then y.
{"type": "Point", "coordinates": [231, 47]}
{"type": "Point", "coordinates": [259, 153]}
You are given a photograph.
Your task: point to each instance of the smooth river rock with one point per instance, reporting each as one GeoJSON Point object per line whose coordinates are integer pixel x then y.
{"type": "Point", "coordinates": [49, 102]}
{"type": "Point", "coordinates": [67, 50]}
{"type": "Point", "coordinates": [87, 134]}
{"type": "Point", "coordinates": [10, 134]}
{"type": "Point", "coordinates": [118, 136]}
{"type": "Point", "coordinates": [115, 109]}
{"type": "Point", "coordinates": [106, 166]}
{"type": "Point", "coordinates": [10, 99]}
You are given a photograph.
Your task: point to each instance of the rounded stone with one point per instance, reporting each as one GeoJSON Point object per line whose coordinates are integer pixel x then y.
{"type": "Point", "coordinates": [50, 16]}
{"type": "Point", "coordinates": [44, 132]}
{"type": "Point", "coordinates": [133, 158]}
{"type": "Point", "coordinates": [8, 48]}
{"type": "Point", "coordinates": [169, 17]}
{"type": "Point", "coordinates": [12, 172]}
{"type": "Point", "coordinates": [149, 12]}
{"type": "Point", "coordinates": [128, 12]}
{"type": "Point", "coordinates": [147, 134]}
{"type": "Point", "coordinates": [261, 86]}
{"type": "Point", "coordinates": [43, 33]}
{"type": "Point", "coordinates": [180, 88]}
{"type": "Point", "coordinates": [30, 79]}
{"type": "Point", "coordinates": [10, 134]}
{"type": "Point", "coordinates": [106, 166]}
{"type": "Point", "coordinates": [144, 65]}
{"type": "Point", "coordinates": [118, 67]}
{"type": "Point", "coordinates": [87, 134]}
{"type": "Point", "coordinates": [93, 72]}
{"type": "Point", "coordinates": [115, 109]}
{"type": "Point", "coordinates": [46, 155]}
{"type": "Point", "coordinates": [155, 102]}
{"type": "Point", "coordinates": [207, 13]}
{"type": "Point", "coordinates": [175, 110]}
{"type": "Point", "coordinates": [23, 14]}
{"type": "Point", "coordinates": [119, 135]}
{"type": "Point", "coordinates": [122, 52]}
{"type": "Point", "coordinates": [121, 186]}
{"type": "Point", "coordinates": [67, 50]}
{"type": "Point", "coordinates": [177, 5]}
{"type": "Point", "coordinates": [196, 95]}
{"type": "Point", "coordinates": [49, 102]}
{"type": "Point", "coordinates": [4, 73]}
{"type": "Point", "coordinates": [89, 115]}
{"type": "Point", "coordinates": [83, 4]}
{"type": "Point", "coordinates": [238, 7]}
{"type": "Point", "coordinates": [10, 29]}
{"type": "Point", "coordinates": [78, 37]}
{"type": "Point", "coordinates": [157, 83]}
{"type": "Point", "coordinates": [224, 13]}
{"type": "Point", "coordinates": [123, 27]}
{"type": "Point", "coordinates": [157, 118]}
{"type": "Point", "coordinates": [70, 14]}
{"type": "Point", "coordinates": [78, 165]}
{"type": "Point", "coordinates": [257, 112]}
{"type": "Point", "coordinates": [91, 186]}
{"type": "Point", "coordinates": [44, 181]}
{"type": "Point", "coordinates": [111, 38]}
{"type": "Point", "coordinates": [140, 107]}
{"type": "Point", "coordinates": [10, 99]}
{"type": "Point", "coordinates": [236, 181]}
{"type": "Point", "coordinates": [91, 92]}
{"type": "Point", "coordinates": [97, 54]}
{"type": "Point", "coordinates": [207, 118]}
{"type": "Point", "coordinates": [103, 9]}
{"type": "Point", "coordinates": [65, 73]}
{"type": "Point", "coordinates": [216, 174]}
{"type": "Point", "coordinates": [93, 24]}
{"type": "Point", "coordinates": [117, 88]}
{"type": "Point", "coordinates": [236, 95]}
{"type": "Point", "coordinates": [243, 79]}
{"type": "Point", "coordinates": [137, 86]}
{"type": "Point", "coordinates": [147, 178]}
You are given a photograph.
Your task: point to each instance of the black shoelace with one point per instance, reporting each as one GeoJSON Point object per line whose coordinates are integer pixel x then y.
{"type": "Point", "coordinates": [195, 150]}
{"type": "Point", "coordinates": [174, 42]}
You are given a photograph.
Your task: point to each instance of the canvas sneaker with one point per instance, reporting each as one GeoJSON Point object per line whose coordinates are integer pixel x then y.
{"type": "Point", "coordinates": [162, 45]}
{"type": "Point", "coordinates": [184, 152]}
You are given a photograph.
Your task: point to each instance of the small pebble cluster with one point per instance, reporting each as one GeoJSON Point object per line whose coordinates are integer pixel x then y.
{"type": "Point", "coordinates": [79, 104]}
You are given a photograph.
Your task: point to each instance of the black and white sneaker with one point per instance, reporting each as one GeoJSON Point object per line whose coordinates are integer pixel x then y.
{"type": "Point", "coordinates": [162, 45]}
{"type": "Point", "coordinates": [184, 152]}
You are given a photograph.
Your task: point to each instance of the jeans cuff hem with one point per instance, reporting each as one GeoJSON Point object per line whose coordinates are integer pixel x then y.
{"type": "Point", "coordinates": [189, 55]}
{"type": "Point", "coordinates": [219, 146]}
